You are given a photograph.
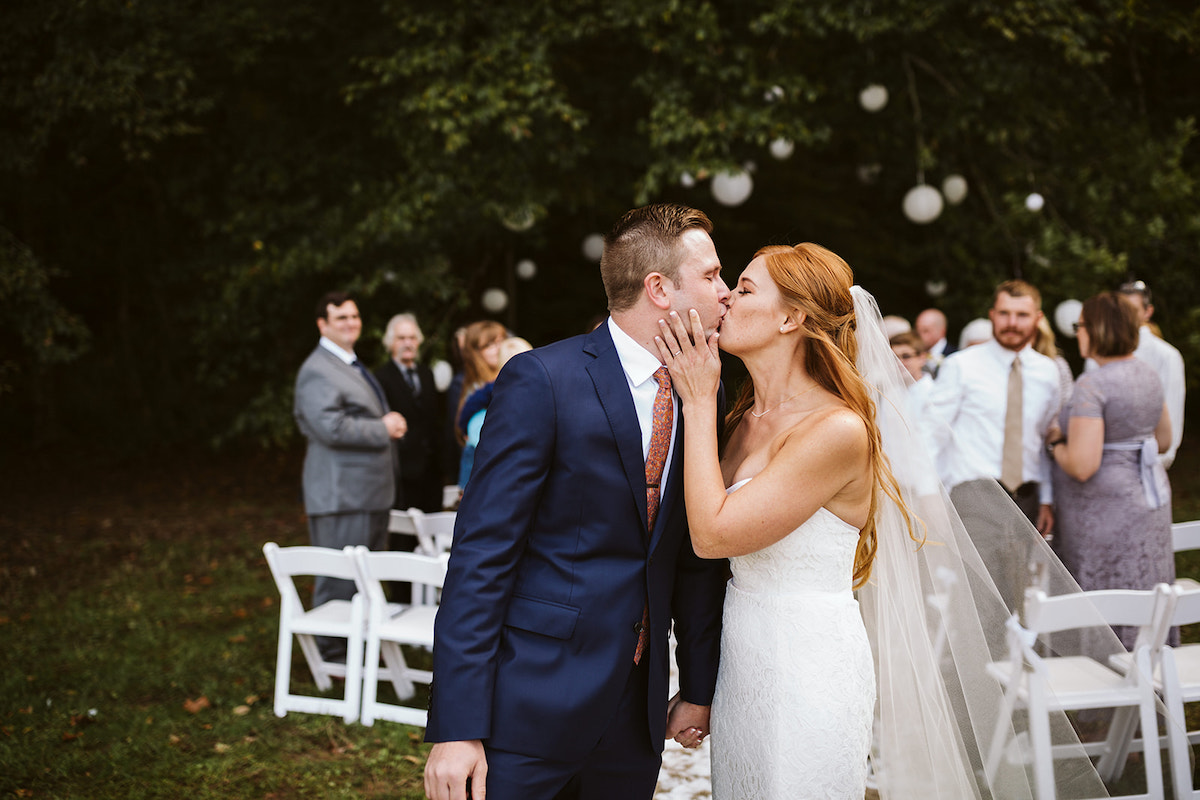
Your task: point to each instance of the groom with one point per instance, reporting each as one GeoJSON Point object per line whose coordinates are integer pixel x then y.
{"type": "Point", "coordinates": [551, 656]}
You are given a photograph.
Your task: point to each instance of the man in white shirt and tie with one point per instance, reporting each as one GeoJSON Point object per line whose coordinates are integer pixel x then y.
{"type": "Point", "coordinates": [997, 401]}
{"type": "Point", "coordinates": [1165, 359]}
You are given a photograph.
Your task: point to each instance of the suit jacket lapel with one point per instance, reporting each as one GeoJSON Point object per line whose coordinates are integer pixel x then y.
{"type": "Point", "coordinates": [372, 399]}
{"type": "Point", "coordinates": [612, 389]}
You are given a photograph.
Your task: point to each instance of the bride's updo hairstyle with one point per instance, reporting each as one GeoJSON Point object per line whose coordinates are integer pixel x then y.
{"type": "Point", "coordinates": [816, 282]}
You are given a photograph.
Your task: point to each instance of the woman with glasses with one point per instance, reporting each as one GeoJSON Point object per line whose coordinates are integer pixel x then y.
{"type": "Point", "coordinates": [1113, 502]}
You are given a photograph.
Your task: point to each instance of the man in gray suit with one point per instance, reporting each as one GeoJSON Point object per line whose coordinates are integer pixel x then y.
{"type": "Point", "coordinates": [349, 469]}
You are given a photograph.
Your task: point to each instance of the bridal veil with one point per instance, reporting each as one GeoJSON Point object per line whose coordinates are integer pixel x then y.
{"type": "Point", "coordinates": [936, 618]}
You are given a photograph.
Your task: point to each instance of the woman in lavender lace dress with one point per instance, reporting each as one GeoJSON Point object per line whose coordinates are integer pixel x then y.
{"type": "Point", "coordinates": [1112, 499]}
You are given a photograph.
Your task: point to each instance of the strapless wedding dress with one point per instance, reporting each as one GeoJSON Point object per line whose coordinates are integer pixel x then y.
{"type": "Point", "coordinates": [795, 694]}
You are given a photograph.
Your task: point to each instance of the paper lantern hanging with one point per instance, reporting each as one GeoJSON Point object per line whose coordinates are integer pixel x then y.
{"type": "Point", "coordinates": [686, 180]}
{"type": "Point", "coordinates": [1035, 201]}
{"type": "Point", "coordinates": [593, 247]}
{"type": "Point", "coordinates": [443, 374]}
{"type": "Point", "coordinates": [1066, 314]}
{"type": "Point", "coordinates": [494, 300]}
{"type": "Point", "coordinates": [873, 98]}
{"type": "Point", "coordinates": [923, 204]}
{"type": "Point", "coordinates": [935, 288]}
{"type": "Point", "coordinates": [782, 148]}
{"type": "Point", "coordinates": [526, 269]}
{"type": "Point", "coordinates": [954, 188]}
{"type": "Point", "coordinates": [732, 188]}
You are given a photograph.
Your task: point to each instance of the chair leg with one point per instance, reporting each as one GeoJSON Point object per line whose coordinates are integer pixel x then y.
{"type": "Point", "coordinates": [316, 664]}
{"type": "Point", "coordinates": [1040, 741]}
{"type": "Point", "coordinates": [1003, 724]}
{"type": "Point", "coordinates": [354, 660]}
{"type": "Point", "coordinates": [1149, 716]}
{"type": "Point", "coordinates": [1121, 732]}
{"type": "Point", "coordinates": [1177, 736]}
{"type": "Point", "coordinates": [370, 681]}
{"type": "Point", "coordinates": [393, 657]}
{"type": "Point", "coordinates": [283, 670]}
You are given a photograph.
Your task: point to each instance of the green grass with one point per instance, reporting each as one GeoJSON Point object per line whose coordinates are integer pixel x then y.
{"type": "Point", "coordinates": [128, 592]}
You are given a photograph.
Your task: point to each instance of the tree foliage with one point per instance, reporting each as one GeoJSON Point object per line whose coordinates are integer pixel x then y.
{"type": "Point", "coordinates": [181, 181]}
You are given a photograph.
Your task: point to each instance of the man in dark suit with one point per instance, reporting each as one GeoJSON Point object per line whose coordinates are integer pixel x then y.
{"type": "Point", "coordinates": [349, 468]}
{"type": "Point", "coordinates": [551, 652]}
{"type": "Point", "coordinates": [410, 390]}
{"type": "Point", "coordinates": [931, 327]}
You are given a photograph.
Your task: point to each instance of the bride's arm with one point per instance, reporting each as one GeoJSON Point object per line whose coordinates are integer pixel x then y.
{"type": "Point", "coordinates": [809, 470]}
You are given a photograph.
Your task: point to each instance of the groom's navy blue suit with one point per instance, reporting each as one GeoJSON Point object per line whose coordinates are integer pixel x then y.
{"type": "Point", "coordinates": [552, 564]}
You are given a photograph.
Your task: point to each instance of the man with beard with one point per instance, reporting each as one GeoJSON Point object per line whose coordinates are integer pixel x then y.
{"type": "Point", "coordinates": [996, 401]}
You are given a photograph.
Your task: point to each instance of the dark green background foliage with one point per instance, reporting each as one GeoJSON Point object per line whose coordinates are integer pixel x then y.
{"type": "Point", "coordinates": [180, 181]}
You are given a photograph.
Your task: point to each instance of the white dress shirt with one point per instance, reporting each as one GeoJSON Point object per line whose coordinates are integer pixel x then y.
{"type": "Point", "coordinates": [340, 352]}
{"type": "Point", "coordinates": [1168, 363]}
{"type": "Point", "coordinates": [970, 396]}
{"type": "Point", "coordinates": [640, 366]}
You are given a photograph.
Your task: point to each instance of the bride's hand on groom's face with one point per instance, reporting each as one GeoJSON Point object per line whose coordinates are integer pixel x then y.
{"type": "Point", "coordinates": [694, 362]}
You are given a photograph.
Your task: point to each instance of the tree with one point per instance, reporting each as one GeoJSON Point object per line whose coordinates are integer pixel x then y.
{"type": "Point", "coordinates": [196, 174]}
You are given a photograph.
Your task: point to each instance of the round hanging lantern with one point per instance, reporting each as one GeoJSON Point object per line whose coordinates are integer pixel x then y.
{"type": "Point", "coordinates": [873, 98]}
{"type": "Point", "coordinates": [868, 173]}
{"type": "Point", "coordinates": [732, 188]}
{"type": "Point", "coordinates": [686, 180]}
{"type": "Point", "coordinates": [782, 148]}
{"type": "Point", "coordinates": [494, 300]}
{"type": "Point", "coordinates": [922, 204]}
{"type": "Point", "coordinates": [518, 219]}
{"type": "Point", "coordinates": [443, 373]}
{"type": "Point", "coordinates": [773, 95]}
{"type": "Point", "coordinates": [526, 269]}
{"type": "Point", "coordinates": [1034, 202]}
{"type": "Point", "coordinates": [1066, 314]}
{"type": "Point", "coordinates": [935, 288]}
{"type": "Point", "coordinates": [593, 247]}
{"type": "Point", "coordinates": [954, 187]}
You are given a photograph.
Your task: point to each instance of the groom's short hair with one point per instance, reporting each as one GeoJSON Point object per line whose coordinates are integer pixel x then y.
{"type": "Point", "coordinates": [645, 240]}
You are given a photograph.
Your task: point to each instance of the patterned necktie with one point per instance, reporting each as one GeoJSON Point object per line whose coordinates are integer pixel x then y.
{"type": "Point", "coordinates": [1011, 471]}
{"type": "Point", "coordinates": [374, 384]}
{"type": "Point", "coordinates": [656, 459]}
{"type": "Point", "coordinates": [414, 383]}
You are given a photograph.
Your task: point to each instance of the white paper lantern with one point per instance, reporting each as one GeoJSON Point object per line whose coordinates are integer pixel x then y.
{"type": "Point", "coordinates": [873, 98]}
{"type": "Point", "coordinates": [923, 204]}
{"type": "Point", "coordinates": [1034, 202]}
{"type": "Point", "coordinates": [782, 148]}
{"type": "Point", "coordinates": [443, 373]}
{"type": "Point", "coordinates": [593, 247]}
{"type": "Point", "coordinates": [495, 300]}
{"type": "Point", "coordinates": [954, 187]}
{"type": "Point", "coordinates": [526, 269]}
{"type": "Point", "coordinates": [686, 180]}
{"type": "Point", "coordinates": [868, 173]}
{"type": "Point", "coordinates": [1066, 314]}
{"type": "Point", "coordinates": [935, 288]}
{"type": "Point", "coordinates": [773, 95]}
{"type": "Point", "coordinates": [732, 188]}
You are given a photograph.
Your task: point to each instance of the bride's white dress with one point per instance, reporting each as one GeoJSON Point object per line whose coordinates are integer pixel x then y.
{"type": "Point", "coordinates": [795, 695]}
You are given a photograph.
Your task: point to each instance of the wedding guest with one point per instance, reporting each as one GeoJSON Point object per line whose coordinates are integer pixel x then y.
{"type": "Point", "coordinates": [931, 327]}
{"type": "Point", "coordinates": [994, 403]}
{"type": "Point", "coordinates": [1113, 501]}
{"type": "Point", "coordinates": [410, 389]}
{"type": "Point", "coordinates": [893, 324]}
{"type": "Point", "coordinates": [977, 331]}
{"type": "Point", "coordinates": [474, 410]}
{"type": "Point", "coordinates": [350, 466]}
{"type": "Point", "coordinates": [1164, 359]}
{"type": "Point", "coordinates": [481, 365]}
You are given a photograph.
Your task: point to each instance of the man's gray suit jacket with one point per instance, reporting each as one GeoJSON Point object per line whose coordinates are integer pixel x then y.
{"type": "Point", "coordinates": [350, 463]}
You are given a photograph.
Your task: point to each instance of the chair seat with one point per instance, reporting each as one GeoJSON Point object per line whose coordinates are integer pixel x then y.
{"type": "Point", "coordinates": [1074, 682]}
{"type": "Point", "coordinates": [411, 625]}
{"type": "Point", "coordinates": [1187, 584]}
{"type": "Point", "coordinates": [328, 619]}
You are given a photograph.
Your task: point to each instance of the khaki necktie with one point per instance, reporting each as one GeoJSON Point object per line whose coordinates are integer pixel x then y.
{"type": "Point", "coordinates": [656, 460]}
{"type": "Point", "coordinates": [1011, 471]}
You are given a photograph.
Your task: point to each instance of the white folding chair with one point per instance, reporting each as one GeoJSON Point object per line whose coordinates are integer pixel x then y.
{"type": "Point", "coordinates": [435, 531]}
{"type": "Point", "coordinates": [1179, 682]}
{"type": "Point", "coordinates": [450, 495]}
{"type": "Point", "coordinates": [389, 626]}
{"type": "Point", "coordinates": [1186, 536]}
{"type": "Point", "coordinates": [336, 618]}
{"type": "Point", "coordinates": [1042, 685]}
{"type": "Point", "coordinates": [401, 522]}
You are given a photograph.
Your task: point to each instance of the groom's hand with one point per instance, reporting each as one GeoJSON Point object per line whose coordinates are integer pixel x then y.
{"type": "Point", "coordinates": [449, 766]}
{"type": "Point", "coordinates": [687, 723]}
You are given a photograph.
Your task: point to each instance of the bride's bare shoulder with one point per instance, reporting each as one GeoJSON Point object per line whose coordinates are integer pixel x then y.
{"type": "Point", "coordinates": [835, 426]}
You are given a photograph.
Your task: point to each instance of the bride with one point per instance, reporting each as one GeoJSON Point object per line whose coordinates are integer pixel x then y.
{"type": "Point", "coordinates": [822, 490]}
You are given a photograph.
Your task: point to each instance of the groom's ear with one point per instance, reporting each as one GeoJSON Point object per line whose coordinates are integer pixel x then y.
{"type": "Point", "coordinates": [656, 290]}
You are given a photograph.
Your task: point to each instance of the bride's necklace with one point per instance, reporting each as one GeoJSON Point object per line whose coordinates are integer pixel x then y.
{"type": "Point", "coordinates": [785, 400]}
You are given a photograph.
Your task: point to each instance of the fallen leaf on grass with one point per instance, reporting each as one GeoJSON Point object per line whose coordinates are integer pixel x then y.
{"type": "Point", "coordinates": [197, 705]}
{"type": "Point", "coordinates": [413, 760]}
{"type": "Point", "coordinates": [220, 747]}
{"type": "Point", "coordinates": [241, 637]}
{"type": "Point", "coordinates": [174, 739]}
{"type": "Point", "coordinates": [68, 736]}
{"type": "Point", "coordinates": [251, 699]}
{"type": "Point", "coordinates": [241, 711]}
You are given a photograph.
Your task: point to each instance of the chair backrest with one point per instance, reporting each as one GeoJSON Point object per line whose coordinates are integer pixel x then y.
{"type": "Point", "coordinates": [288, 562]}
{"type": "Point", "coordinates": [374, 567]}
{"type": "Point", "coordinates": [401, 522]}
{"type": "Point", "coordinates": [1146, 609]}
{"type": "Point", "coordinates": [435, 531]}
{"type": "Point", "coordinates": [1186, 535]}
{"type": "Point", "coordinates": [1187, 607]}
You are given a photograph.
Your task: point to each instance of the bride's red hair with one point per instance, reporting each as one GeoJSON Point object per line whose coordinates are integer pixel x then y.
{"type": "Point", "coordinates": [816, 282]}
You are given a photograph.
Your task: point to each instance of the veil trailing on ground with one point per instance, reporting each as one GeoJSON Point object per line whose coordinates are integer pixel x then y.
{"type": "Point", "coordinates": [936, 617]}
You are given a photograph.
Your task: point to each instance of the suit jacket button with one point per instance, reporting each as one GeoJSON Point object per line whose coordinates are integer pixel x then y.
{"type": "Point", "coordinates": [637, 628]}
